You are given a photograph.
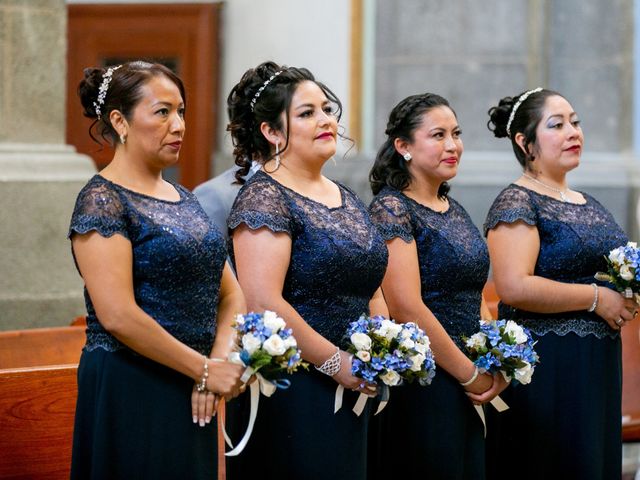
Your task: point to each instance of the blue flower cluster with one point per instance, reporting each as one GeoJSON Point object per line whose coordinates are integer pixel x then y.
{"type": "Point", "coordinates": [388, 352]}
{"type": "Point", "coordinates": [266, 344]}
{"type": "Point", "coordinates": [503, 346]}
{"type": "Point", "coordinates": [623, 271]}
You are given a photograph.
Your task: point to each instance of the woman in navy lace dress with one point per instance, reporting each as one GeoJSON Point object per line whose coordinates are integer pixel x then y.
{"type": "Point", "coordinates": [155, 277]}
{"type": "Point", "coordinates": [304, 246]}
{"type": "Point", "coordinates": [438, 265]}
{"type": "Point", "coordinates": [546, 242]}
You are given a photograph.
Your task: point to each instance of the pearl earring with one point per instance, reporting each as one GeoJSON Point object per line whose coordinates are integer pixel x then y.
{"type": "Point", "coordinates": [407, 157]}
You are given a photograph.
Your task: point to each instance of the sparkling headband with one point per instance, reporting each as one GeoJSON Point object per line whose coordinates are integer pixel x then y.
{"type": "Point", "coordinates": [102, 91]}
{"type": "Point", "coordinates": [264, 85]}
{"type": "Point", "coordinates": [522, 98]}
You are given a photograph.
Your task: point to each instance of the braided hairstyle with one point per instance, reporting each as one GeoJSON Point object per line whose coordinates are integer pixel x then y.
{"type": "Point", "coordinates": [249, 144]}
{"type": "Point", "coordinates": [123, 93]}
{"type": "Point", "coordinates": [389, 168]}
{"type": "Point", "coordinates": [526, 120]}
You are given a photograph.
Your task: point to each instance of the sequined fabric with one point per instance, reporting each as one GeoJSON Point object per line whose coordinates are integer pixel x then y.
{"type": "Point", "coordinates": [452, 256]}
{"type": "Point", "coordinates": [178, 258]}
{"type": "Point", "coordinates": [574, 239]}
{"type": "Point", "coordinates": [338, 258]}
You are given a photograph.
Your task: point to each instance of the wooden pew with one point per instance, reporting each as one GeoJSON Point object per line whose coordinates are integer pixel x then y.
{"type": "Point", "coordinates": [41, 347]}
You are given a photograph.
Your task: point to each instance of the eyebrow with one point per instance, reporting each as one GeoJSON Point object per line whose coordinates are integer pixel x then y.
{"type": "Point", "coordinates": [311, 105]}
{"type": "Point", "coordinates": [560, 115]}
{"type": "Point", "coordinates": [168, 104]}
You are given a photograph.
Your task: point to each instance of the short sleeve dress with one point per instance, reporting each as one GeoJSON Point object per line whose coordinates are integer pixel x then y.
{"type": "Point", "coordinates": [568, 419]}
{"type": "Point", "coordinates": [133, 415]}
{"type": "Point", "coordinates": [338, 260]}
{"type": "Point", "coordinates": [437, 423]}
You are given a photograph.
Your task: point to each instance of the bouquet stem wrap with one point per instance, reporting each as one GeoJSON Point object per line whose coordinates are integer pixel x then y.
{"type": "Point", "coordinates": [497, 403]}
{"type": "Point", "coordinates": [358, 408]}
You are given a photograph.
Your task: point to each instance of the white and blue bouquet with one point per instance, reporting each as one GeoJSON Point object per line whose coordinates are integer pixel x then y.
{"type": "Point", "coordinates": [389, 352]}
{"type": "Point", "coordinates": [266, 345]}
{"type": "Point", "coordinates": [622, 269]}
{"type": "Point", "coordinates": [386, 353]}
{"type": "Point", "coordinates": [268, 349]}
{"type": "Point", "coordinates": [503, 346]}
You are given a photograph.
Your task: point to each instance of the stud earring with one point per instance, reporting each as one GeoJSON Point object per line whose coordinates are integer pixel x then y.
{"type": "Point", "coordinates": [407, 157]}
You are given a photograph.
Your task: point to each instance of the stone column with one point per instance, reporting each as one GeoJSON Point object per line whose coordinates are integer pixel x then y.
{"type": "Point", "coordinates": [39, 175]}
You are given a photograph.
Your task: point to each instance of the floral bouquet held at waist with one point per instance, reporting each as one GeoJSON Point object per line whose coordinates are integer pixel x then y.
{"type": "Point", "coordinates": [268, 350]}
{"type": "Point", "coordinates": [387, 354]}
{"type": "Point", "coordinates": [503, 346]}
{"type": "Point", "coordinates": [623, 271]}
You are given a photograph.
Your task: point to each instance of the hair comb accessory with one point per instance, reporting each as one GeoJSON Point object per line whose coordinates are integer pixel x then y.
{"type": "Point", "coordinates": [260, 90]}
{"type": "Point", "coordinates": [522, 98]}
{"type": "Point", "coordinates": [102, 91]}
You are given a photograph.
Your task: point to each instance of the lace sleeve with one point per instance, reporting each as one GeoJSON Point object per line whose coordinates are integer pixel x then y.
{"type": "Point", "coordinates": [511, 205]}
{"type": "Point", "coordinates": [260, 203]}
{"type": "Point", "coordinates": [100, 208]}
{"type": "Point", "coordinates": [391, 216]}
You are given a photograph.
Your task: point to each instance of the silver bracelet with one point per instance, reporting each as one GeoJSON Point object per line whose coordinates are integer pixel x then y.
{"type": "Point", "coordinates": [472, 379]}
{"type": "Point", "coordinates": [595, 298]}
{"type": "Point", "coordinates": [331, 366]}
{"type": "Point", "coordinates": [201, 386]}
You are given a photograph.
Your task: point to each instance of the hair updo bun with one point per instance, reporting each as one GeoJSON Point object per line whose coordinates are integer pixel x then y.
{"type": "Point", "coordinates": [499, 116]}
{"type": "Point", "coordinates": [528, 114]}
{"type": "Point", "coordinates": [123, 91]}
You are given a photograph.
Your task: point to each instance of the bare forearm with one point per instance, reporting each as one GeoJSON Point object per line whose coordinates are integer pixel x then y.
{"type": "Point", "coordinates": [228, 308]}
{"type": "Point", "coordinates": [538, 294]}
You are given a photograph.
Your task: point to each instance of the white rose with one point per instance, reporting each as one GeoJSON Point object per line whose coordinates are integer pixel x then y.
{"type": "Point", "coordinates": [406, 333]}
{"type": "Point", "coordinates": [421, 348]}
{"type": "Point", "coordinates": [625, 272]}
{"type": "Point", "coordinates": [274, 345]}
{"type": "Point", "coordinates": [392, 329]}
{"type": "Point", "coordinates": [250, 343]}
{"type": "Point", "coordinates": [234, 357]}
{"type": "Point", "coordinates": [361, 341]}
{"type": "Point", "coordinates": [239, 319]}
{"type": "Point", "coordinates": [363, 355]}
{"type": "Point", "coordinates": [523, 375]}
{"type": "Point", "coordinates": [617, 256]}
{"type": "Point", "coordinates": [390, 378]}
{"type": "Point", "coordinates": [516, 331]}
{"type": "Point", "coordinates": [273, 321]}
{"type": "Point", "coordinates": [477, 340]}
{"type": "Point", "coordinates": [416, 362]}
{"type": "Point", "coordinates": [407, 343]}
{"type": "Point", "coordinates": [632, 244]}
{"type": "Point", "coordinates": [289, 342]}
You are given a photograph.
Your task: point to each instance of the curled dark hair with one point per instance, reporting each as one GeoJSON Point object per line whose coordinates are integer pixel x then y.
{"type": "Point", "coordinates": [389, 167]}
{"type": "Point", "coordinates": [525, 121]}
{"type": "Point", "coordinates": [123, 93]}
{"type": "Point", "coordinates": [249, 144]}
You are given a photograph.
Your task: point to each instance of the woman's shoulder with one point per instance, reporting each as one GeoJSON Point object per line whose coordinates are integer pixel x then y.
{"type": "Point", "coordinates": [390, 198]}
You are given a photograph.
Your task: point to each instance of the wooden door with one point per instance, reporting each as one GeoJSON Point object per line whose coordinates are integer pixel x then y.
{"type": "Point", "coordinates": [183, 37]}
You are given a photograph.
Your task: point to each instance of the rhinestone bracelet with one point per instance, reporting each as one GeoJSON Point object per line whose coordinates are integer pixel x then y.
{"type": "Point", "coordinates": [331, 366]}
{"type": "Point", "coordinates": [595, 298]}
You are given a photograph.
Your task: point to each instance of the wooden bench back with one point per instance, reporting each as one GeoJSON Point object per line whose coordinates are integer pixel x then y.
{"type": "Point", "coordinates": [37, 407]}
{"type": "Point", "coordinates": [41, 346]}
{"type": "Point", "coordinates": [631, 381]}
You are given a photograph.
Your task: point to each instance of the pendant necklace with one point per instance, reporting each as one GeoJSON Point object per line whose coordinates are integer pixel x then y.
{"type": "Point", "coordinates": [563, 193]}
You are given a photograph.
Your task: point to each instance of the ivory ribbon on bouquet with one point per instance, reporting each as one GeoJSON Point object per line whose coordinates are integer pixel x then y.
{"type": "Point", "coordinates": [362, 400]}
{"type": "Point", "coordinates": [497, 403]}
{"type": "Point", "coordinates": [261, 385]}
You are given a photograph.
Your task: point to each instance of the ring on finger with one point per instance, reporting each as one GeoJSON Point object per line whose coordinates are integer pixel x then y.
{"type": "Point", "coordinates": [619, 321]}
{"type": "Point", "coordinates": [635, 314]}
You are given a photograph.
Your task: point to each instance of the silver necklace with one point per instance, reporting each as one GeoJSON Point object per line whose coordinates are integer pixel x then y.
{"type": "Point", "coordinates": [563, 193]}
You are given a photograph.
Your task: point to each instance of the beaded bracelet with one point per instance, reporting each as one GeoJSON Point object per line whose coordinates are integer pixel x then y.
{"type": "Point", "coordinates": [472, 379]}
{"type": "Point", "coordinates": [201, 386]}
{"type": "Point", "coordinates": [595, 298]}
{"type": "Point", "coordinates": [331, 366]}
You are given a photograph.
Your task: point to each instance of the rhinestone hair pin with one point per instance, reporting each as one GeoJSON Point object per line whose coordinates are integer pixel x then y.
{"type": "Point", "coordinates": [264, 85]}
{"type": "Point", "coordinates": [102, 91]}
{"type": "Point", "coordinates": [522, 98]}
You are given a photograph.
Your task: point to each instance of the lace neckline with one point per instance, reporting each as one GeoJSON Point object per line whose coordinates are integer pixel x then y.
{"type": "Point", "coordinates": [144, 195]}
{"type": "Point", "coordinates": [304, 197]}
{"type": "Point", "coordinates": [556, 200]}
{"type": "Point", "coordinates": [415, 202]}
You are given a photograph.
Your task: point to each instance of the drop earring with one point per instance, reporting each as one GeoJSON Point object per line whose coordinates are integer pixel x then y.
{"type": "Point", "coordinates": [277, 156]}
{"type": "Point", "coordinates": [123, 139]}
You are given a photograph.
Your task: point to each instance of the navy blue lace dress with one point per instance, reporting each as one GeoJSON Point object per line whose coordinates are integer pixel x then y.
{"type": "Point", "coordinates": [566, 423]}
{"type": "Point", "coordinates": [436, 426]}
{"type": "Point", "coordinates": [338, 260]}
{"type": "Point", "coordinates": [133, 415]}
